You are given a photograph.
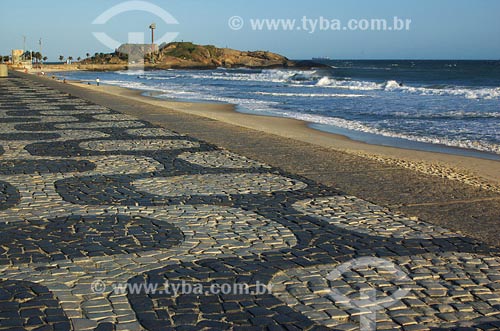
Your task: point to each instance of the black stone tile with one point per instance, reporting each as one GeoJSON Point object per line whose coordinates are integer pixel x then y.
{"type": "Point", "coordinates": [28, 136]}
{"type": "Point", "coordinates": [9, 195]}
{"type": "Point", "coordinates": [14, 316]}
{"type": "Point", "coordinates": [77, 236]}
{"type": "Point", "coordinates": [14, 167]}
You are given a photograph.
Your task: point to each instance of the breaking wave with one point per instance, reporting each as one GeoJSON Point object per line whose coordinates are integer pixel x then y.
{"type": "Point", "coordinates": [394, 86]}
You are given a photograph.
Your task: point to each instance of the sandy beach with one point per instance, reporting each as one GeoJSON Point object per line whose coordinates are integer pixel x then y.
{"type": "Point", "coordinates": [472, 171]}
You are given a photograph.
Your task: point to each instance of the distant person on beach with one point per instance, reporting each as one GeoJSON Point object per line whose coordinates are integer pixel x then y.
{"type": "Point", "coordinates": [97, 81]}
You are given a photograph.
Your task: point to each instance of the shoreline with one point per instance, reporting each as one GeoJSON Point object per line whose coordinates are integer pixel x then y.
{"type": "Point", "coordinates": [458, 193]}
{"type": "Point", "coordinates": [477, 172]}
{"type": "Point", "coordinates": [402, 143]}
{"type": "Point", "coordinates": [353, 135]}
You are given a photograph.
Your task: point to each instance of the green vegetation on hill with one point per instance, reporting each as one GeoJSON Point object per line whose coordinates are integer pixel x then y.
{"type": "Point", "coordinates": [188, 54]}
{"type": "Point", "coordinates": [190, 51]}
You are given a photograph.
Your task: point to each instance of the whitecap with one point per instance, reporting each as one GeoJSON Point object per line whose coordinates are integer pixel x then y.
{"type": "Point", "coordinates": [312, 95]}
{"type": "Point", "coordinates": [467, 92]}
{"type": "Point", "coordinates": [348, 84]}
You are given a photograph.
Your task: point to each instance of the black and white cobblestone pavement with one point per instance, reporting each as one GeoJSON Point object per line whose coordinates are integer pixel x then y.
{"type": "Point", "coordinates": [89, 194]}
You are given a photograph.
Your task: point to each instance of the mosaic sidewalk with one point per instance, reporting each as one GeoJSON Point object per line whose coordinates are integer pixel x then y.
{"type": "Point", "coordinates": [91, 198]}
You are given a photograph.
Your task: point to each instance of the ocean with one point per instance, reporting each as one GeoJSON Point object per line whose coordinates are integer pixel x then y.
{"type": "Point", "coordinates": [446, 106]}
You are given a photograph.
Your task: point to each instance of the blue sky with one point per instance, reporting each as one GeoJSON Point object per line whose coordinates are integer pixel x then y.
{"type": "Point", "coordinates": [443, 29]}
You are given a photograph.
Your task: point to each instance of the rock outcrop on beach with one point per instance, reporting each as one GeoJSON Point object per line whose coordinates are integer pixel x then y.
{"type": "Point", "coordinates": [189, 55]}
{"type": "Point", "coordinates": [182, 54]}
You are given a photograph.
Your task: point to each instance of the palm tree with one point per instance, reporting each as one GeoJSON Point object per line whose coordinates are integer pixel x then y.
{"type": "Point", "coordinates": [79, 59]}
{"type": "Point", "coordinates": [37, 56]}
{"type": "Point", "coordinates": [45, 59]}
{"type": "Point", "coordinates": [88, 55]}
{"type": "Point", "coordinates": [61, 58]}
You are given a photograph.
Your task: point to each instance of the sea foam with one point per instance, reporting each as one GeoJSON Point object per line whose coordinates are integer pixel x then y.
{"type": "Point", "coordinates": [394, 86]}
